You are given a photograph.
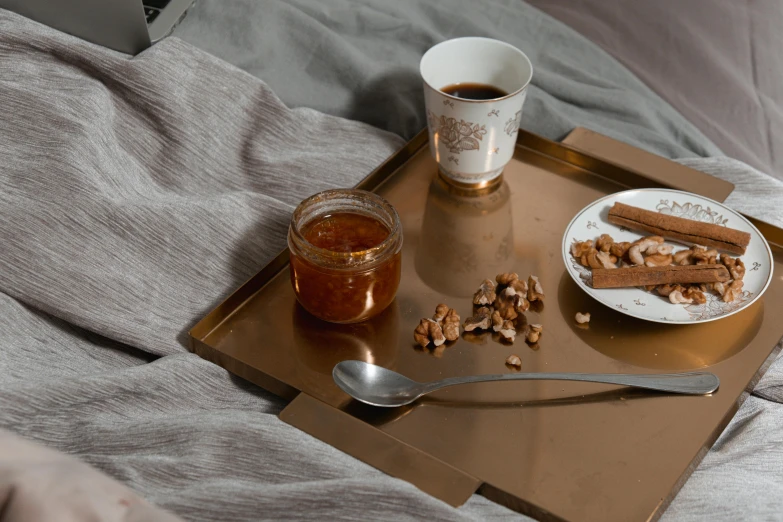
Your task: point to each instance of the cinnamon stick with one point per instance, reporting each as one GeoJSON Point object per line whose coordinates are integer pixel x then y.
{"type": "Point", "coordinates": [680, 229]}
{"type": "Point", "coordinates": [658, 275]}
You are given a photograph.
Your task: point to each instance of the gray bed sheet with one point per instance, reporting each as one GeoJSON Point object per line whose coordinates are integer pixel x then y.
{"type": "Point", "coordinates": [718, 62]}
{"type": "Point", "coordinates": [137, 193]}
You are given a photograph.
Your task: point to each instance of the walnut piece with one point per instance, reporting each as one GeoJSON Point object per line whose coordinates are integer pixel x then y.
{"type": "Point", "coordinates": [507, 278]}
{"type": "Point", "coordinates": [684, 257]}
{"type": "Point", "coordinates": [733, 291]}
{"type": "Point", "coordinates": [485, 295]}
{"type": "Point", "coordinates": [592, 259]}
{"type": "Point", "coordinates": [658, 260]}
{"type": "Point", "coordinates": [451, 325]}
{"type": "Point", "coordinates": [582, 318]}
{"type": "Point", "coordinates": [735, 265]}
{"type": "Point", "coordinates": [645, 245]}
{"type": "Point", "coordinates": [664, 250]}
{"type": "Point", "coordinates": [534, 332]}
{"type": "Point", "coordinates": [521, 305]}
{"type": "Point", "coordinates": [578, 249]}
{"type": "Point", "coordinates": [497, 321]}
{"type": "Point", "coordinates": [481, 320]}
{"type": "Point", "coordinates": [677, 297]}
{"type": "Point", "coordinates": [604, 243]}
{"type": "Point", "coordinates": [505, 305]}
{"type": "Point", "coordinates": [514, 360]}
{"type": "Point", "coordinates": [702, 256]}
{"type": "Point", "coordinates": [619, 249]}
{"type": "Point", "coordinates": [695, 294]}
{"type": "Point", "coordinates": [534, 290]}
{"type": "Point", "coordinates": [665, 290]}
{"type": "Point", "coordinates": [508, 331]}
{"type": "Point", "coordinates": [428, 331]}
{"type": "Point", "coordinates": [606, 260]}
{"type": "Point", "coordinates": [440, 312]}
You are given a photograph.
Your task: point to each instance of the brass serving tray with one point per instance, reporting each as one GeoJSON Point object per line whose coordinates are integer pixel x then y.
{"type": "Point", "coordinates": [552, 450]}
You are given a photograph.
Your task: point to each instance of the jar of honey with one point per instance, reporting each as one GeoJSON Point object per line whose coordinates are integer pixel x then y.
{"type": "Point", "coordinates": [345, 255]}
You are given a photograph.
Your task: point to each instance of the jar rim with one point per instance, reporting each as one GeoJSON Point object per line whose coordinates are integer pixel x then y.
{"type": "Point", "coordinates": [394, 230]}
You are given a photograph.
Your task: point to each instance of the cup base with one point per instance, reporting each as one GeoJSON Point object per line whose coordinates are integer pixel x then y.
{"type": "Point", "coordinates": [472, 181]}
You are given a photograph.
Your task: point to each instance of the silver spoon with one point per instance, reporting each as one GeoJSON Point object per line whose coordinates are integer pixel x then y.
{"type": "Point", "coordinates": [378, 386]}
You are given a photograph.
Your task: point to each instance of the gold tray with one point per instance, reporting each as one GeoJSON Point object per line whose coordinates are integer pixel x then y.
{"type": "Point", "coordinates": [552, 450]}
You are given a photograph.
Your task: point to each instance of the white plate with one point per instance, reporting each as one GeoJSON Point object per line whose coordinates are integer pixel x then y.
{"type": "Point", "coordinates": [592, 221]}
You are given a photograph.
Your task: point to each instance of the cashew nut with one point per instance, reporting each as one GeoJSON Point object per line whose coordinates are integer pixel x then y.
{"type": "Point", "coordinates": [676, 297]}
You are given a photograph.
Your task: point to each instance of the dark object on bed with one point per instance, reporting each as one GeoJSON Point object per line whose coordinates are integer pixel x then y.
{"type": "Point", "coordinates": [128, 26]}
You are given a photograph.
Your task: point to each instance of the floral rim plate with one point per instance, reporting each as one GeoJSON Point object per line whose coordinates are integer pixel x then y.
{"type": "Point", "coordinates": [592, 221]}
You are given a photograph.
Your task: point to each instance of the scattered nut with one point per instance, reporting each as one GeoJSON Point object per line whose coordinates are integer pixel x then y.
{"type": "Point", "coordinates": [508, 331]}
{"type": "Point", "coordinates": [497, 321]}
{"type": "Point", "coordinates": [664, 249]}
{"type": "Point", "coordinates": [665, 290]}
{"type": "Point", "coordinates": [653, 247]}
{"type": "Point", "coordinates": [684, 257]}
{"type": "Point", "coordinates": [658, 260]}
{"type": "Point", "coordinates": [534, 290]}
{"type": "Point", "coordinates": [582, 318]}
{"type": "Point", "coordinates": [733, 291]}
{"type": "Point", "coordinates": [514, 360]}
{"type": "Point", "coordinates": [440, 312]}
{"type": "Point", "coordinates": [521, 305]}
{"type": "Point", "coordinates": [507, 278]}
{"type": "Point", "coordinates": [720, 288]}
{"type": "Point", "coordinates": [592, 259]}
{"type": "Point", "coordinates": [534, 333]}
{"type": "Point", "coordinates": [619, 249]}
{"type": "Point", "coordinates": [428, 331]}
{"type": "Point", "coordinates": [505, 305]}
{"type": "Point", "coordinates": [676, 297]}
{"type": "Point", "coordinates": [451, 325]}
{"type": "Point", "coordinates": [606, 260]}
{"type": "Point", "coordinates": [481, 320]}
{"type": "Point", "coordinates": [579, 249]}
{"type": "Point", "coordinates": [604, 243]}
{"type": "Point", "coordinates": [485, 295]}
{"type": "Point", "coordinates": [735, 265]}
{"type": "Point", "coordinates": [695, 294]}
{"type": "Point", "coordinates": [645, 245]}
{"type": "Point", "coordinates": [703, 256]}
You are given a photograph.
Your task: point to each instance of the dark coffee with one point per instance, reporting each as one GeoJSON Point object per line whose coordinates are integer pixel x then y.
{"type": "Point", "coordinates": [474, 91]}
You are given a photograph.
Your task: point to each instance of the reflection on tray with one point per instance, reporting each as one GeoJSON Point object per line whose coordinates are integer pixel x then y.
{"type": "Point", "coordinates": [653, 345]}
{"type": "Point", "coordinates": [319, 345]}
{"type": "Point", "coordinates": [465, 235]}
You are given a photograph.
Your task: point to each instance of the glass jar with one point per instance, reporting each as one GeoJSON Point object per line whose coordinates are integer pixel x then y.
{"type": "Point", "coordinates": [353, 280]}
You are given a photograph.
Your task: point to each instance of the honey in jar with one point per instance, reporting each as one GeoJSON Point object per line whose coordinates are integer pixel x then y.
{"type": "Point", "coordinates": [345, 255]}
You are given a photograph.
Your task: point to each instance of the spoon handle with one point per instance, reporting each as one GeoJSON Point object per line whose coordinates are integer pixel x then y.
{"type": "Point", "coordinates": [691, 383]}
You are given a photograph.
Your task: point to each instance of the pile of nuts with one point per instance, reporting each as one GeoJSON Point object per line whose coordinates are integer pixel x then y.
{"type": "Point", "coordinates": [652, 252]}
{"type": "Point", "coordinates": [498, 306]}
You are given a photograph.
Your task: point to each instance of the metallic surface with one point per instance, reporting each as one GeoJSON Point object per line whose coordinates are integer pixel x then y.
{"type": "Point", "coordinates": [379, 386]}
{"type": "Point", "coordinates": [168, 18]}
{"type": "Point", "coordinates": [554, 450]}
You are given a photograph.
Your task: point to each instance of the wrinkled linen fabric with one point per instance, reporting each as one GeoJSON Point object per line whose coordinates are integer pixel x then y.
{"type": "Point", "coordinates": [137, 193]}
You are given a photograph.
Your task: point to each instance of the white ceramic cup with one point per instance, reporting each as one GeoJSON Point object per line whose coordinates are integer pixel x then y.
{"type": "Point", "coordinates": [472, 140]}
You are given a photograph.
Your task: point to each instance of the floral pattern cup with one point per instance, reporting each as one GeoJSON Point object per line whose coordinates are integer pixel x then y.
{"type": "Point", "coordinates": [473, 140]}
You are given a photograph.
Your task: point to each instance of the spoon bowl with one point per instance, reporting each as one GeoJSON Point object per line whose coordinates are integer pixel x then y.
{"type": "Point", "coordinates": [378, 386]}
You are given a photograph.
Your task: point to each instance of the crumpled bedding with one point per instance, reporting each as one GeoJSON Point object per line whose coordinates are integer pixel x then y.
{"type": "Point", "coordinates": [137, 193]}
